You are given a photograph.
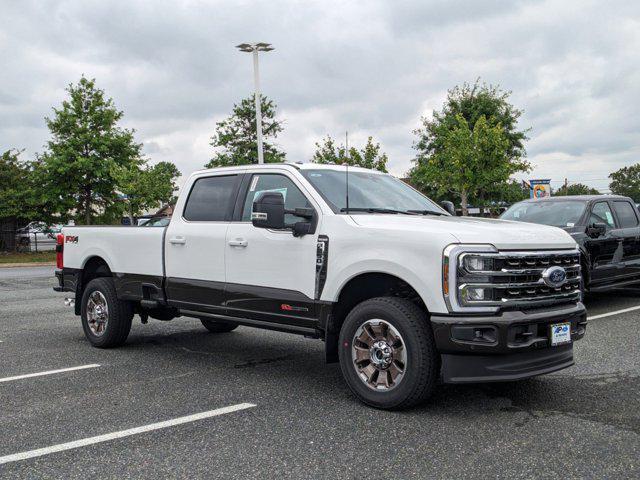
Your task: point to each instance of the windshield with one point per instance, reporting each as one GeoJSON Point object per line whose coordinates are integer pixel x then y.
{"type": "Point", "coordinates": [368, 191]}
{"type": "Point", "coordinates": [557, 214]}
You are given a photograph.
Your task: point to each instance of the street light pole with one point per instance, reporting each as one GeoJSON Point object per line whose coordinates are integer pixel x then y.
{"type": "Point", "coordinates": [255, 48]}
{"type": "Point", "coordinates": [256, 81]}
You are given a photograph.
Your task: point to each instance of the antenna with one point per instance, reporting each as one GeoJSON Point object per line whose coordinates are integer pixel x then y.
{"type": "Point", "coordinates": [346, 137]}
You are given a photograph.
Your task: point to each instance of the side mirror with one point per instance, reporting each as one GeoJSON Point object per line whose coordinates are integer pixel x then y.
{"type": "Point", "coordinates": [268, 211]}
{"type": "Point", "coordinates": [449, 207]}
{"type": "Point", "coordinates": [596, 230]}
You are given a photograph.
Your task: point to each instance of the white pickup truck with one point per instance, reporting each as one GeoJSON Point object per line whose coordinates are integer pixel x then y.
{"type": "Point", "coordinates": [402, 293]}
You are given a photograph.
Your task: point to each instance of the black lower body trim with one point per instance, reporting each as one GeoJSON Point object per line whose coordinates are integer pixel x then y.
{"type": "Point", "coordinates": [500, 368]}
{"type": "Point", "coordinates": [135, 286]}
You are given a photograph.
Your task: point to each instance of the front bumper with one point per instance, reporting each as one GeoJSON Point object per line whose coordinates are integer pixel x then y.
{"type": "Point", "coordinates": [509, 346]}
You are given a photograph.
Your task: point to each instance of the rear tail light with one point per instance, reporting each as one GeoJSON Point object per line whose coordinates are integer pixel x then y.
{"type": "Point", "coordinates": [59, 250]}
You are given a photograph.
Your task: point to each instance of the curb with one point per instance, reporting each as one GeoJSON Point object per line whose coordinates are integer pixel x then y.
{"type": "Point", "coordinates": [31, 264]}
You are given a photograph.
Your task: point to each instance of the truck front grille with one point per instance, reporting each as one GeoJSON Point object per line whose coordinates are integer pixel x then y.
{"type": "Point", "coordinates": [493, 280]}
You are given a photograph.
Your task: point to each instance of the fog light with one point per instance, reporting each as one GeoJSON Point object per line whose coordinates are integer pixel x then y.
{"type": "Point", "coordinates": [477, 264]}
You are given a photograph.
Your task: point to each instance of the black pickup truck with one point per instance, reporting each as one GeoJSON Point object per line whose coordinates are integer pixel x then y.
{"type": "Point", "coordinates": [606, 227]}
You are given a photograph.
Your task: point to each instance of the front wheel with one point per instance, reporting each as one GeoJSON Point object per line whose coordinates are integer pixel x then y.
{"type": "Point", "coordinates": [387, 353]}
{"type": "Point", "coordinates": [106, 321]}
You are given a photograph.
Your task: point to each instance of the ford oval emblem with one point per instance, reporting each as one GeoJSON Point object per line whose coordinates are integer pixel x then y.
{"type": "Point", "coordinates": [554, 276]}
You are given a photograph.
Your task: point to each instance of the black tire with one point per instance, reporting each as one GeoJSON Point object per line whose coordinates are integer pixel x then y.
{"type": "Point", "coordinates": [120, 314]}
{"type": "Point", "coordinates": [218, 326]}
{"type": "Point", "coordinates": [423, 361]}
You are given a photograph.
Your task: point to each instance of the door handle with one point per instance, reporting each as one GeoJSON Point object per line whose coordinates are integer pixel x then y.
{"type": "Point", "coordinates": [238, 242]}
{"type": "Point", "coordinates": [177, 240]}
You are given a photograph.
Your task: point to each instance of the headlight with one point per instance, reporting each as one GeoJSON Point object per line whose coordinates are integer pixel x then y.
{"type": "Point", "coordinates": [475, 294]}
{"type": "Point", "coordinates": [460, 262]}
{"type": "Point", "coordinates": [476, 263]}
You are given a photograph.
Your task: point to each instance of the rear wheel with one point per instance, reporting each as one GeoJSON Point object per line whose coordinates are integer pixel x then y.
{"type": "Point", "coordinates": [387, 353]}
{"type": "Point", "coordinates": [106, 321]}
{"type": "Point", "coordinates": [218, 326]}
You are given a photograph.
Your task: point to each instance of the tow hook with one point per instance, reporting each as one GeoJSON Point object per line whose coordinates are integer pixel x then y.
{"type": "Point", "coordinates": [69, 302]}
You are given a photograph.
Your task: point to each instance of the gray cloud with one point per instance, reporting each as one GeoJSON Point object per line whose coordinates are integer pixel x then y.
{"type": "Point", "coordinates": [373, 68]}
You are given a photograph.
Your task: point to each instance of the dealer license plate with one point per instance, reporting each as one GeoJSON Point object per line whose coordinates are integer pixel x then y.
{"type": "Point", "coordinates": [560, 333]}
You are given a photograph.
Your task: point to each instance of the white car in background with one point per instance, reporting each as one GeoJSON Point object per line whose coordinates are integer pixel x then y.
{"type": "Point", "coordinates": [37, 237]}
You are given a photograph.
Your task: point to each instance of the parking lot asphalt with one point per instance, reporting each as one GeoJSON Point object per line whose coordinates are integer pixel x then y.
{"type": "Point", "coordinates": [580, 422]}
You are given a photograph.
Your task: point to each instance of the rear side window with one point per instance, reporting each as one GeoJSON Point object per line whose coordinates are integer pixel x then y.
{"type": "Point", "coordinates": [626, 214]}
{"type": "Point", "coordinates": [211, 199]}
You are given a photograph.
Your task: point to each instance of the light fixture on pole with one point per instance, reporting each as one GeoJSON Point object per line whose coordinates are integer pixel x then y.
{"type": "Point", "coordinates": [255, 48]}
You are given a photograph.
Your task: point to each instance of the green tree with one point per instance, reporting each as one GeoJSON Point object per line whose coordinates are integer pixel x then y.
{"type": "Point", "coordinates": [17, 189]}
{"type": "Point", "coordinates": [575, 189]}
{"type": "Point", "coordinates": [471, 147]}
{"type": "Point", "coordinates": [78, 171]}
{"type": "Point", "coordinates": [236, 140]}
{"type": "Point", "coordinates": [626, 181]}
{"type": "Point", "coordinates": [368, 157]}
{"type": "Point", "coordinates": [147, 188]}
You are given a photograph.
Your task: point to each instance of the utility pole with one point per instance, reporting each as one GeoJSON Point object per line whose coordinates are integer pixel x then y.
{"type": "Point", "coordinates": [255, 48]}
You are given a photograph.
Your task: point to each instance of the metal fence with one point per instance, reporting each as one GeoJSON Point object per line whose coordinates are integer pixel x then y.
{"type": "Point", "coordinates": [14, 240]}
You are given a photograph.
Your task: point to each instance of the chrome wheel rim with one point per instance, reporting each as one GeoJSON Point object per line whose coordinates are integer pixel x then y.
{"type": "Point", "coordinates": [97, 313]}
{"type": "Point", "coordinates": [379, 355]}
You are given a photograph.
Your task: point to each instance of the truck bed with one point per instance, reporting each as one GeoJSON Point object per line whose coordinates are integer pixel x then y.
{"type": "Point", "coordinates": [126, 249]}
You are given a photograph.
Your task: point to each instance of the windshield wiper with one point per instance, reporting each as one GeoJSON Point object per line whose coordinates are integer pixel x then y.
{"type": "Point", "coordinates": [376, 210]}
{"type": "Point", "coordinates": [427, 212]}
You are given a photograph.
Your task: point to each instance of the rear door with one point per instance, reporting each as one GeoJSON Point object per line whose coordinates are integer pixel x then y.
{"type": "Point", "coordinates": [195, 244]}
{"type": "Point", "coordinates": [270, 273]}
{"type": "Point", "coordinates": [629, 230]}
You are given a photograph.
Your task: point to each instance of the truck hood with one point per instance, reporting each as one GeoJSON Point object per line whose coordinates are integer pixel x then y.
{"type": "Point", "coordinates": [503, 234]}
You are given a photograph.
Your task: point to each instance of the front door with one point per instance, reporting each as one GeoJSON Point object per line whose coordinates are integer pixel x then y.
{"type": "Point", "coordinates": [606, 252]}
{"type": "Point", "coordinates": [271, 274]}
{"type": "Point", "coordinates": [195, 245]}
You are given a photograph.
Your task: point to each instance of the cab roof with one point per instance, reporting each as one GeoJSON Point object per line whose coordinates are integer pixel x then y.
{"type": "Point", "coordinates": [578, 198]}
{"type": "Point", "coordinates": [296, 166]}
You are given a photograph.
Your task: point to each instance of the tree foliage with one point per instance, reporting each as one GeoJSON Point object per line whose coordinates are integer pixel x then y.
{"type": "Point", "coordinates": [147, 188]}
{"type": "Point", "coordinates": [79, 170]}
{"type": "Point", "coordinates": [471, 147]}
{"type": "Point", "coordinates": [575, 189]}
{"type": "Point", "coordinates": [17, 190]}
{"type": "Point", "coordinates": [368, 157]}
{"type": "Point", "coordinates": [236, 141]}
{"type": "Point", "coordinates": [626, 181]}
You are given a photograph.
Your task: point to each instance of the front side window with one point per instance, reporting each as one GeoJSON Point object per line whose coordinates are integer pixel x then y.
{"type": "Point", "coordinates": [368, 190]}
{"type": "Point", "coordinates": [211, 199]}
{"type": "Point", "coordinates": [274, 182]}
{"type": "Point", "coordinates": [601, 213]}
{"type": "Point", "coordinates": [626, 214]}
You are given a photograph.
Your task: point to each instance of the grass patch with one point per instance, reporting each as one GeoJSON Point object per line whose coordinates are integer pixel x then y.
{"type": "Point", "coordinates": [27, 257]}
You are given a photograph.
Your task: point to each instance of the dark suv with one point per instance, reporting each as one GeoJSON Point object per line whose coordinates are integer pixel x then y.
{"type": "Point", "coordinates": [606, 227]}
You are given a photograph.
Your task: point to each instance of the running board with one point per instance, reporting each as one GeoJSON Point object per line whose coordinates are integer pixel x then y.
{"type": "Point", "coordinates": [249, 322]}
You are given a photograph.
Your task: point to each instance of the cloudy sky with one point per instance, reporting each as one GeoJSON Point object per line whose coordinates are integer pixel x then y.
{"type": "Point", "coordinates": [369, 67]}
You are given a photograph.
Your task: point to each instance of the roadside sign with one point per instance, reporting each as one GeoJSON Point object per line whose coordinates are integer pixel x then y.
{"type": "Point", "coordinates": [540, 188]}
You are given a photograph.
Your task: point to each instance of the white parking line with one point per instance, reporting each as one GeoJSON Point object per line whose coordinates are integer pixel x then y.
{"type": "Point", "coordinates": [608, 314]}
{"type": "Point", "coordinates": [123, 433]}
{"type": "Point", "coordinates": [48, 372]}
